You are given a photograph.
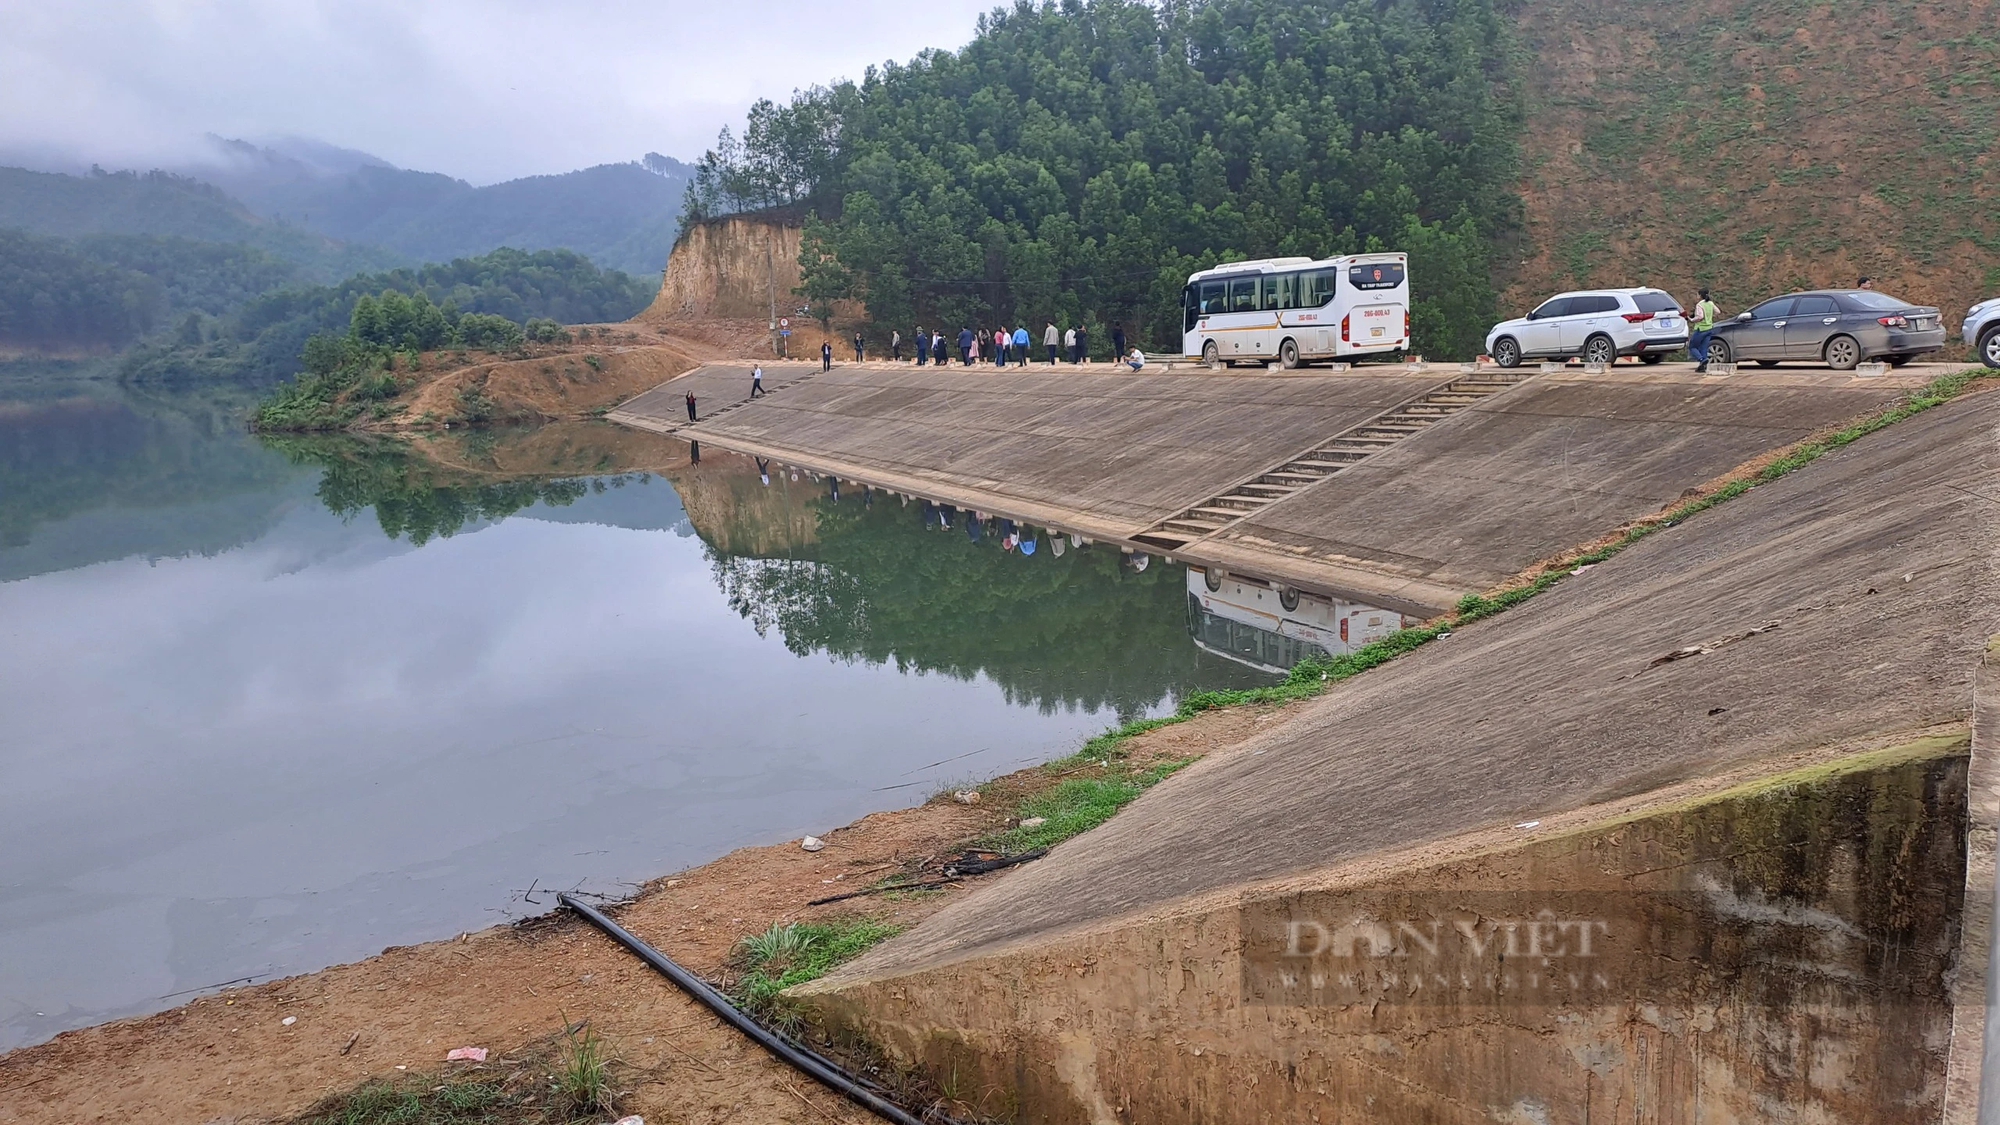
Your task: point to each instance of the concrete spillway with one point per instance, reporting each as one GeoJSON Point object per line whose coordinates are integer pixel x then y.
{"type": "Point", "coordinates": [1450, 510]}
{"type": "Point", "coordinates": [1773, 823]}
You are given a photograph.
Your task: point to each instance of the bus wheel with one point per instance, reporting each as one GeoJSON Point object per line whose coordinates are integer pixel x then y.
{"type": "Point", "coordinates": [1288, 598]}
{"type": "Point", "coordinates": [1211, 356]}
{"type": "Point", "coordinates": [1212, 578]}
{"type": "Point", "coordinates": [1288, 355]}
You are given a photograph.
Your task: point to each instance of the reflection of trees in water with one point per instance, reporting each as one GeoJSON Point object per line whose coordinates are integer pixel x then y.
{"type": "Point", "coordinates": [1070, 632]}
{"type": "Point", "coordinates": [416, 497]}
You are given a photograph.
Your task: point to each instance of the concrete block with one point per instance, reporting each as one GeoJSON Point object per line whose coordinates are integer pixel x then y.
{"type": "Point", "coordinates": [1551, 368]}
{"type": "Point", "coordinates": [1871, 370]}
{"type": "Point", "coordinates": [1722, 369]}
{"type": "Point", "coordinates": [1593, 369]}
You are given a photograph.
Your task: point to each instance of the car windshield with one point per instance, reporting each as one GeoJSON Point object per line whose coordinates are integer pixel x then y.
{"type": "Point", "coordinates": [1654, 301]}
{"type": "Point", "coordinates": [1867, 299]}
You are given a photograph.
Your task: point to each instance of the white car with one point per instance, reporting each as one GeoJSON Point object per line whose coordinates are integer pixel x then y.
{"type": "Point", "coordinates": [1982, 330]}
{"type": "Point", "coordinates": [1598, 324]}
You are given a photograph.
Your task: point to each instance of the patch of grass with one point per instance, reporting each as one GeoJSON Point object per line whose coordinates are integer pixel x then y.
{"type": "Point", "coordinates": [792, 953]}
{"type": "Point", "coordinates": [583, 1077]}
{"type": "Point", "coordinates": [410, 1101]}
{"type": "Point", "coordinates": [1078, 805]}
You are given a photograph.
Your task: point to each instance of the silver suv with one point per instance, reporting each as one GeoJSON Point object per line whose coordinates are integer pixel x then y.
{"type": "Point", "coordinates": [1982, 330]}
{"type": "Point", "coordinates": [1598, 324]}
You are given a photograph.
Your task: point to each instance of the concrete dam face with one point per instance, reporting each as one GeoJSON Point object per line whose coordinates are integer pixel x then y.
{"type": "Point", "coordinates": [1705, 834]}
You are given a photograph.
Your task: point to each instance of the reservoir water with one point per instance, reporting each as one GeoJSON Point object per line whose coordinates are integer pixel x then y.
{"type": "Point", "coordinates": [269, 706]}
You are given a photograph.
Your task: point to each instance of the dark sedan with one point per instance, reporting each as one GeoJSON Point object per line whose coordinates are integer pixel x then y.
{"type": "Point", "coordinates": [1837, 327]}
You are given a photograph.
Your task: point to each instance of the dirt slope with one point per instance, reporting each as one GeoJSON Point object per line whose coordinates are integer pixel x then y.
{"type": "Point", "coordinates": [1761, 145]}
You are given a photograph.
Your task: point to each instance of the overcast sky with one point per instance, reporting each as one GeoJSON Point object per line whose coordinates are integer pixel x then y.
{"type": "Point", "coordinates": [482, 89]}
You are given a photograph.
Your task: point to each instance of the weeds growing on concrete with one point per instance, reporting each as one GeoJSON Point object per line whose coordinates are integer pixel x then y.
{"type": "Point", "coordinates": [792, 953]}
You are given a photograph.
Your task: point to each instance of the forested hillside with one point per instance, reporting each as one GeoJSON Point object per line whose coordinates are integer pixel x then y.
{"type": "Point", "coordinates": [263, 341]}
{"type": "Point", "coordinates": [1762, 145]}
{"type": "Point", "coordinates": [1075, 162]}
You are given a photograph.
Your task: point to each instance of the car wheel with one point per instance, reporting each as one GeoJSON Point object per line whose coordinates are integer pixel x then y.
{"type": "Point", "coordinates": [1651, 357]}
{"type": "Point", "coordinates": [1989, 346]}
{"type": "Point", "coordinates": [1718, 351]}
{"type": "Point", "coordinates": [1211, 356]}
{"type": "Point", "coordinates": [1288, 355]}
{"type": "Point", "coordinates": [1507, 353]}
{"type": "Point", "coordinates": [1600, 349]}
{"type": "Point", "coordinates": [1767, 363]}
{"type": "Point", "coordinates": [1842, 353]}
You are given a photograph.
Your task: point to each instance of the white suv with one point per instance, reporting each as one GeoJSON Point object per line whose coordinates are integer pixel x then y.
{"type": "Point", "coordinates": [1982, 330]}
{"type": "Point", "coordinates": [1598, 324]}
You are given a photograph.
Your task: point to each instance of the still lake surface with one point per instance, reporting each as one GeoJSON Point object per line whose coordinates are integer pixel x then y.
{"type": "Point", "coordinates": [266, 707]}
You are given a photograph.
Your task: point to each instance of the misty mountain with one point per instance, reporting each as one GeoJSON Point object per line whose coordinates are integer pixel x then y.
{"type": "Point", "coordinates": [164, 205]}
{"type": "Point", "coordinates": [619, 215]}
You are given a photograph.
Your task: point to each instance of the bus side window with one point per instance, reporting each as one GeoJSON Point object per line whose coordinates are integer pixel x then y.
{"type": "Point", "coordinates": [1243, 295]}
{"type": "Point", "coordinates": [1190, 307]}
{"type": "Point", "coordinates": [1288, 291]}
{"type": "Point", "coordinates": [1321, 291]}
{"type": "Point", "coordinates": [1214, 297]}
{"type": "Point", "coordinates": [1271, 292]}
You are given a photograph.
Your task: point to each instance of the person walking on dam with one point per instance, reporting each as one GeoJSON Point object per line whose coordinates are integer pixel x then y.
{"type": "Point", "coordinates": [896, 346]}
{"type": "Point", "coordinates": [937, 347]}
{"type": "Point", "coordinates": [923, 344]}
{"type": "Point", "coordinates": [1117, 340]}
{"type": "Point", "coordinates": [965, 339]}
{"type": "Point", "coordinates": [690, 401]}
{"type": "Point", "coordinates": [1069, 344]}
{"type": "Point", "coordinates": [757, 381]}
{"type": "Point", "coordinates": [1082, 344]}
{"type": "Point", "coordinates": [1021, 342]}
{"type": "Point", "coordinates": [857, 347]}
{"type": "Point", "coordinates": [1001, 340]}
{"type": "Point", "coordinates": [1703, 324]}
{"type": "Point", "coordinates": [826, 355]}
{"type": "Point", "coordinates": [1052, 340]}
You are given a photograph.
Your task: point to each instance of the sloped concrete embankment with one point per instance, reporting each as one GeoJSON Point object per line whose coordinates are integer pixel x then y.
{"type": "Point", "coordinates": [1743, 736]}
{"type": "Point", "coordinates": [1453, 510]}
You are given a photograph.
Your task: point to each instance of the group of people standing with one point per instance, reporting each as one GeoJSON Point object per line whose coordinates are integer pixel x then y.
{"type": "Point", "coordinates": [1002, 346]}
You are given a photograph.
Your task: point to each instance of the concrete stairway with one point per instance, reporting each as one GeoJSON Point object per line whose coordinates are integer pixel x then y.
{"type": "Point", "coordinates": [1317, 464]}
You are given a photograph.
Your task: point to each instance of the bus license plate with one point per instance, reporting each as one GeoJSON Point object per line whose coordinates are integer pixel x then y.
{"type": "Point", "coordinates": [1375, 331]}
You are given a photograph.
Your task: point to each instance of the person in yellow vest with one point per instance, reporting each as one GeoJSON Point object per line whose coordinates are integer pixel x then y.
{"type": "Point", "coordinates": [1702, 321]}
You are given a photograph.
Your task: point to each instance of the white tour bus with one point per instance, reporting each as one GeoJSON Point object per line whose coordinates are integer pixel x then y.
{"type": "Point", "coordinates": [1296, 310]}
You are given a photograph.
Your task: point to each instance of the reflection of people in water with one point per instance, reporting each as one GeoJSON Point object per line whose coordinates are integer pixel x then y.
{"type": "Point", "coordinates": [836, 488]}
{"type": "Point", "coordinates": [975, 527]}
{"type": "Point", "coordinates": [764, 471]}
{"type": "Point", "coordinates": [930, 515]}
{"type": "Point", "coordinates": [1140, 560]}
{"type": "Point", "coordinates": [694, 453]}
{"type": "Point", "coordinates": [1057, 545]}
{"type": "Point", "coordinates": [946, 515]}
{"type": "Point", "coordinates": [867, 497]}
{"type": "Point", "coordinates": [1027, 541]}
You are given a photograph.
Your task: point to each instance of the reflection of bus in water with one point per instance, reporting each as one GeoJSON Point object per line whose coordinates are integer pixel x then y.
{"type": "Point", "coordinates": [1296, 310]}
{"type": "Point", "coordinates": [1271, 627]}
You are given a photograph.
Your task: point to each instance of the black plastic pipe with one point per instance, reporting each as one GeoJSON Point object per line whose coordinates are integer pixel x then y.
{"type": "Point", "coordinates": [822, 1070]}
